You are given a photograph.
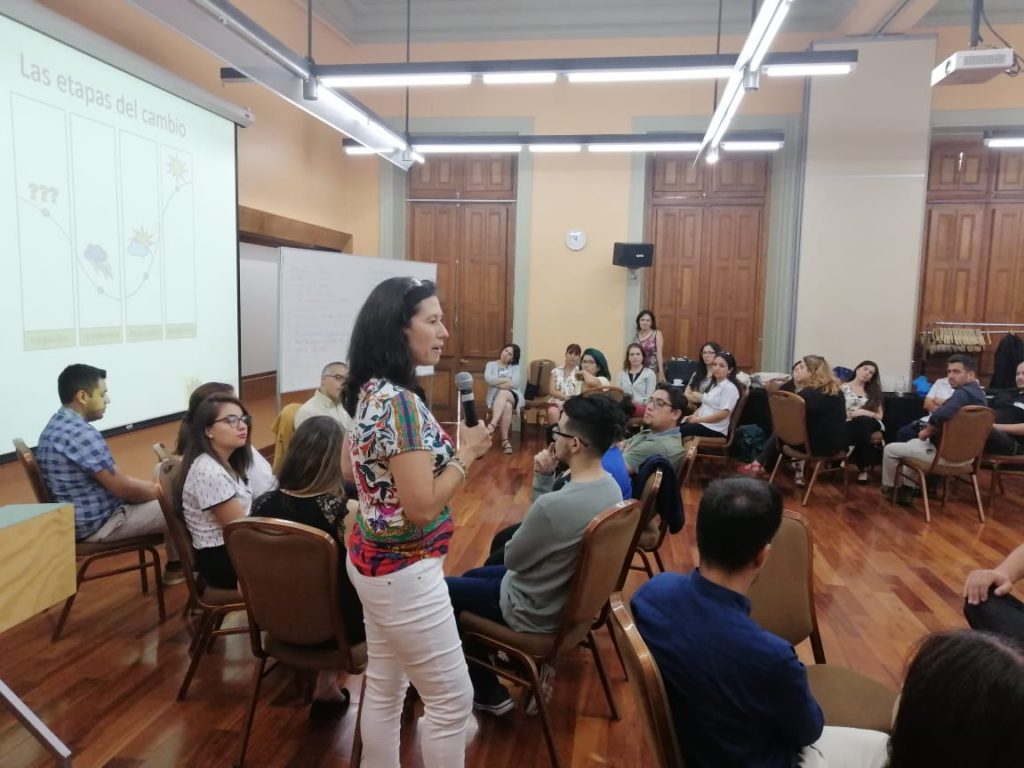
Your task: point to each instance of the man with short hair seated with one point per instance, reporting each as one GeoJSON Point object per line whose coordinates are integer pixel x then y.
{"type": "Point", "coordinates": [1007, 435]}
{"type": "Point", "coordinates": [665, 410]}
{"type": "Point", "coordinates": [738, 694]}
{"type": "Point", "coordinates": [529, 591]}
{"type": "Point", "coordinates": [961, 370]}
{"type": "Point", "coordinates": [78, 468]}
{"type": "Point", "coordinates": [326, 401]}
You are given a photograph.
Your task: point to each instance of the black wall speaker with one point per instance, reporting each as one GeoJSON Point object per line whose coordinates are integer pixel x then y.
{"type": "Point", "coordinates": [633, 255]}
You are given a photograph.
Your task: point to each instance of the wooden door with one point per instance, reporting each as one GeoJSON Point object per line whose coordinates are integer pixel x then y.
{"type": "Point", "coordinates": [1003, 296]}
{"type": "Point", "coordinates": [958, 170]}
{"type": "Point", "coordinates": [676, 176]}
{"type": "Point", "coordinates": [732, 290]}
{"type": "Point", "coordinates": [673, 285]}
{"type": "Point", "coordinates": [439, 177]}
{"type": "Point", "coordinates": [1009, 174]}
{"type": "Point", "coordinates": [739, 176]}
{"type": "Point", "coordinates": [954, 267]}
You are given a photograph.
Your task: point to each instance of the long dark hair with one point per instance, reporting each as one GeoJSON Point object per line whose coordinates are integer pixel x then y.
{"type": "Point", "coordinates": [379, 347]}
{"type": "Point", "coordinates": [730, 362]}
{"type": "Point", "coordinates": [961, 704]}
{"type": "Point", "coordinates": [873, 389]}
{"type": "Point", "coordinates": [199, 394]}
{"type": "Point", "coordinates": [312, 463]}
{"type": "Point", "coordinates": [600, 359]}
{"type": "Point", "coordinates": [625, 362]}
{"type": "Point", "coordinates": [654, 323]}
{"type": "Point", "coordinates": [205, 415]}
{"type": "Point", "coordinates": [516, 352]}
{"type": "Point", "coordinates": [701, 371]}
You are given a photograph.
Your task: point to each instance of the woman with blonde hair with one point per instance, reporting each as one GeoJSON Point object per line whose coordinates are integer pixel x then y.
{"type": "Point", "coordinates": [825, 412]}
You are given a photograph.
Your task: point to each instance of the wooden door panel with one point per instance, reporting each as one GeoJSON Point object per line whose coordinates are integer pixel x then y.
{"type": "Point", "coordinates": [488, 176]}
{"type": "Point", "coordinates": [955, 264]}
{"type": "Point", "coordinates": [1010, 174]}
{"type": "Point", "coordinates": [674, 280]}
{"type": "Point", "coordinates": [1004, 298]}
{"type": "Point", "coordinates": [739, 176]}
{"type": "Point", "coordinates": [438, 177]}
{"type": "Point", "coordinates": [733, 263]}
{"type": "Point", "coordinates": [676, 176]}
{"type": "Point", "coordinates": [958, 170]}
{"type": "Point", "coordinates": [483, 322]}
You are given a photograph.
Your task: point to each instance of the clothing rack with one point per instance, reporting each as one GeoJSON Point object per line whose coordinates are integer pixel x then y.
{"type": "Point", "coordinates": [947, 336]}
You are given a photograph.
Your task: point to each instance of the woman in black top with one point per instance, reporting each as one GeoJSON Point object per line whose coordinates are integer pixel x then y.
{"type": "Point", "coordinates": [309, 492]}
{"type": "Point", "coordinates": [825, 410]}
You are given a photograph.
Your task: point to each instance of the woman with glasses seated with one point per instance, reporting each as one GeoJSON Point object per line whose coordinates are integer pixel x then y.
{"type": "Point", "coordinates": [701, 377]}
{"type": "Point", "coordinates": [214, 483]}
{"type": "Point", "coordinates": [594, 371]}
{"type": "Point", "coordinates": [718, 400]}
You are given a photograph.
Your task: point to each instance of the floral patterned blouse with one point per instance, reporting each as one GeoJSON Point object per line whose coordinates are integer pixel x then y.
{"type": "Point", "coordinates": [567, 385]}
{"type": "Point", "coordinates": [391, 420]}
{"type": "Point", "coordinates": [853, 400]}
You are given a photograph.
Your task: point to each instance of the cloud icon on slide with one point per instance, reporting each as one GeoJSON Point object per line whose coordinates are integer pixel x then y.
{"type": "Point", "coordinates": [97, 257]}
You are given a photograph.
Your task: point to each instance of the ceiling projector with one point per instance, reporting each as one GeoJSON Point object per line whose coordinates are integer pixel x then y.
{"type": "Point", "coordinates": [977, 65]}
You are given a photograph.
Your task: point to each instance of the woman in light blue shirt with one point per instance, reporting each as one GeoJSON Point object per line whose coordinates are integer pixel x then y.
{"type": "Point", "coordinates": [504, 392]}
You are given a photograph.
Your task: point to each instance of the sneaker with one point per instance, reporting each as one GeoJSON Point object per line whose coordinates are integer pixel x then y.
{"type": "Point", "coordinates": [753, 469]}
{"type": "Point", "coordinates": [173, 574]}
{"type": "Point", "coordinates": [862, 478]}
{"type": "Point", "coordinates": [497, 701]}
{"type": "Point", "coordinates": [905, 496]}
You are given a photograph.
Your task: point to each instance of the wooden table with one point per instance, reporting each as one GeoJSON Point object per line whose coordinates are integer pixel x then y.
{"type": "Point", "coordinates": [37, 571]}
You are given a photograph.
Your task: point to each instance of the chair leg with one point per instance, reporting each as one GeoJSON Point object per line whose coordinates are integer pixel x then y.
{"type": "Point", "coordinates": [993, 479]}
{"type": "Point", "coordinates": [817, 648]}
{"type": "Point", "coordinates": [924, 496]}
{"type": "Point", "coordinates": [591, 642]}
{"type": "Point", "coordinates": [66, 610]}
{"type": "Point", "coordinates": [143, 575]}
{"type": "Point", "coordinates": [810, 485]}
{"type": "Point", "coordinates": [778, 461]}
{"type": "Point", "coordinates": [196, 652]}
{"type": "Point", "coordinates": [658, 560]}
{"type": "Point", "coordinates": [646, 562]}
{"type": "Point", "coordinates": [537, 690]}
{"type": "Point", "coordinates": [977, 496]}
{"type": "Point", "coordinates": [257, 678]}
{"type": "Point", "coordinates": [618, 651]}
{"type": "Point", "coordinates": [159, 584]}
{"type": "Point", "coordinates": [357, 736]}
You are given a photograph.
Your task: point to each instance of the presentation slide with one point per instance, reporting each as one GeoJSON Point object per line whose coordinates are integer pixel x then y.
{"type": "Point", "coordinates": [118, 237]}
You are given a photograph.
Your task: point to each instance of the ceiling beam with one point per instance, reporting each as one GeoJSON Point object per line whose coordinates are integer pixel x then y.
{"type": "Point", "coordinates": [889, 17]}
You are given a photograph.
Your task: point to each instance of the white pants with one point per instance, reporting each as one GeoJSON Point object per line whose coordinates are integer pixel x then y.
{"type": "Point", "coordinates": [847, 748]}
{"type": "Point", "coordinates": [916, 449]}
{"type": "Point", "coordinates": [133, 520]}
{"type": "Point", "coordinates": [411, 635]}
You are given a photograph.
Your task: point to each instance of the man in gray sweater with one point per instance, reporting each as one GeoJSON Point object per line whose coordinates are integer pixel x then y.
{"type": "Point", "coordinates": [529, 591]}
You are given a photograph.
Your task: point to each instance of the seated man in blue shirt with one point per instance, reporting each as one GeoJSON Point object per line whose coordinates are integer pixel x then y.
{"type": "Point", "coordinates": [738, 694]}
{"type": "Point", "coordinates": [79, 469]}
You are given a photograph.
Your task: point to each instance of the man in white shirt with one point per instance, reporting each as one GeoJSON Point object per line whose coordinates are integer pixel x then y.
{"type": "Point", "coordinates": [937, 395]}
{"type": "Point", "coordinates": [326, 401]}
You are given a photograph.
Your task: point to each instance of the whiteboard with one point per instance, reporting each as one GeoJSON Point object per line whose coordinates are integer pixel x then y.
{"type": "Point", "coordinates": [319, 295]}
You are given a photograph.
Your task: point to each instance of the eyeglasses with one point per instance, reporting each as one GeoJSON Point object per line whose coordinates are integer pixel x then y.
{"type": "Point", "coordinates": [342, 377]}
{"type": "Point", "coordinates": [559, 433]}
{"type": "Point", "coordinates": [234, 420]}
{"type": "Point", "coordinates": [657, 402]}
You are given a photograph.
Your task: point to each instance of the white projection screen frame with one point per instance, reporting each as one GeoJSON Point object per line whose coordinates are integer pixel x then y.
{"type": "Point", "coordinates": [118, 226]}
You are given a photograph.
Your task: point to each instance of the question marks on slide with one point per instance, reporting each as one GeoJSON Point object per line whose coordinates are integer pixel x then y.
{"type": "Point", "coordinates": [43, 193]}
{"type": "Point", "coordinates": [33, 188]}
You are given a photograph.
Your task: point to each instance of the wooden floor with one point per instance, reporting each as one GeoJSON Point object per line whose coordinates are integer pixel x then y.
{"type": "Point", "coordinates": [883, 578]}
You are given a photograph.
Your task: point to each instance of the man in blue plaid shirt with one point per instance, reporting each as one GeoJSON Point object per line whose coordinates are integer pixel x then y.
{"type": "Point", "coordinates": [78, 468]}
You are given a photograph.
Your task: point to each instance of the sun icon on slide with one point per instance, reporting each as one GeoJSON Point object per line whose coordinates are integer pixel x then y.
{"type": "Point", "coordinates": [177, 168]}
{"type": "Point", "coordinates": [141, 244]}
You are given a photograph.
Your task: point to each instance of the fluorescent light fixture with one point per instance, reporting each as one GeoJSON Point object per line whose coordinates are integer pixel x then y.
{"type": "Point", "coordinates": [648, 75]}
{"type": "Point", "coordinates": [774, 12]}
{"type": "Point", "coordinates": [517, 78]}
{"type": "Point", "coordinates": [751, 146]}
{"type": "Point", "coordinates": [712, 156]}
{"type": "Point", "coordinates": [646, 146]}
{"type": "Point", "coordinates": [553, 148]}
{"type": "Point", "coordinates": [806, 70]}
{"type": "Point", "coordinates": [396, 81]}
{"type": "Point", "coordinates": [366, 150]}
{"type": "Point", "coordinates": [458, 149]}
{"type": "Point", "coordinates": [1005, 139]}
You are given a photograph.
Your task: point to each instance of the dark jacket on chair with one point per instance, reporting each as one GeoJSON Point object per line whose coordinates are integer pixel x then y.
{"type": "Point", "coordinates": [1009, 354]}
{"type": "Point", "coordinates": [669, 503]}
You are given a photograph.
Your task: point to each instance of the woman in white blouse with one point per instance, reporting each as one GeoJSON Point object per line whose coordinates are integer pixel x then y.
{"type": "Point", "coordinates": [215, 486]}
{"type": "Point", "coordinates": [718, 401]}
{"type": "Point", "coordinates": [637, 380]}
{"type": "Point", "coordinates": [564, 382]}
{"type": "Point", "coordinates": [504, 393]}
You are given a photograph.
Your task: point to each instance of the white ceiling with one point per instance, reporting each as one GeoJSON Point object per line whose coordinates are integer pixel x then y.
{"type": "Point", "coordinates": [377, 21]}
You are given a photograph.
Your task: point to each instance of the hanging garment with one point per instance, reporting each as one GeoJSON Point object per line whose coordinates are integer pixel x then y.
{"type": "Point", "coordinates": [1009, 354]}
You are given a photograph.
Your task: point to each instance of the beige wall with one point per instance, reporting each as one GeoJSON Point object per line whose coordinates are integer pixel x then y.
{"type": "Point", "coordinates": [292, 165]}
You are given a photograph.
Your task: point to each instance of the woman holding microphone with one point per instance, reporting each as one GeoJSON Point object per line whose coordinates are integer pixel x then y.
{"type": "Point", "coordinates": [406, 469]}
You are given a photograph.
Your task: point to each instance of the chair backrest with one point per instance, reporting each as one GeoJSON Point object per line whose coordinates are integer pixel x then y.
{"type": "Point", "coordinates": [28, 462]}
{"type": "Point", "coordinates": [283, 428]}
{"type": "Point", "coordinates": [170, 505]}
{"type": "Point", "coordinates": [789, 417]}
{"type": "Point", "coordinates": [782, 598]}
{"type": "Point", "coordinates": [615, 393]}
{"type": "Point", "coordinates": [162, 454]}
{"type": "Point", "coordinates": [736, 415]}
{"type": "Point", "coordinates": [540, 375]}
{"type": "Point", "coordinates": [288, 576]}
{"type": "Point", "coordinates": [963, 436]}
{"type": "Point", "coordinates": [607, 547]}
{"type": "Point", "coordinates": [645, 678]}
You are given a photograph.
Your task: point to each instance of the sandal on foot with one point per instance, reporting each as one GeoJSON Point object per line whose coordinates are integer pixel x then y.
{"type": "Point", "coordinates": [506, 446]}
{"type": "Point", "coordinates": [490, 429]}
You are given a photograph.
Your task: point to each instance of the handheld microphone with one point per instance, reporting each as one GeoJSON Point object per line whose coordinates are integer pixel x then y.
{"type": "Point", "coordinates": [464, 383]}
